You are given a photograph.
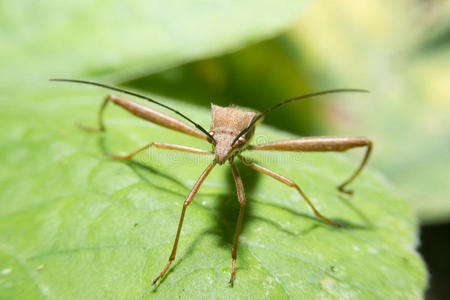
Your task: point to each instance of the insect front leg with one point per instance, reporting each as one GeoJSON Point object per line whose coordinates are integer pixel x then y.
{"type": "Point", "coordinates": [188, 201]}
{"type": "Point", "coordinates": [242, 201]}
{"type": "Point", "coordinates": [289, 183]}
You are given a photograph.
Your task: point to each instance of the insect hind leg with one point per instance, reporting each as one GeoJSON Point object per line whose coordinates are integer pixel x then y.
{"type": "Point", "coordinates": [101, 126]}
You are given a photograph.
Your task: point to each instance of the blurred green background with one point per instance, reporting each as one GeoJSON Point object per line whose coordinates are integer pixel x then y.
{"type": "Point", "coordinates": [399, 50]}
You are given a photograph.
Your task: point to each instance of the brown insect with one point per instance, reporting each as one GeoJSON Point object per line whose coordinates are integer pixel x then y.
{"type": "Point", "coordinates": [230, 133]}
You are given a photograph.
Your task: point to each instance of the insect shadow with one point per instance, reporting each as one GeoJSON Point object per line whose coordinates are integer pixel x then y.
{"type": "Point", "coordinates": [137, 167]}
{"type": "Point", "coordinates": [228, 206]}
{"type": "Point", "coordinates": [367, 223]}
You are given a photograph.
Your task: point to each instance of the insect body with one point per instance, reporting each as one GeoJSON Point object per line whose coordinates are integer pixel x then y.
{"type": "Point", "coordinates": [226, 124]}
{"type": "Point", "coordinates": [230, 133]}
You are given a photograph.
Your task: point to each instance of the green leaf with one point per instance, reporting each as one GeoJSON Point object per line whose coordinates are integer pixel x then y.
{"type": "Point", "coordinates": [75, 224]}
{"type": "Point", "coordinates": [115, 38]}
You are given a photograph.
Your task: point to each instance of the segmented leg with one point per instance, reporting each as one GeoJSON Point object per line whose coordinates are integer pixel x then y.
{"type": "Point", "coordinates": [289, 183]}
{"type": "Point", "coordinates": [101, 126]}
{"type": "Point", "coordinates": [322, 144]}
{"type": "Point", "coordinates": [188, 201]}
{"type": "Point", "coordinates": [146, 113]}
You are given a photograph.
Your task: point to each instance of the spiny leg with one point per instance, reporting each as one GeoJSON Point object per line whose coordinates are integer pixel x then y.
{"type": "Point", "coordinates": [242, 201]}
{"type": "Point", "coordinates": [161, 146]}
{"type": "Point", "coordinates": [322, 144]}
{"type": "Point", "coordinates": [188, 201]}
{"type": "Point", "coordinates": [289, 183]}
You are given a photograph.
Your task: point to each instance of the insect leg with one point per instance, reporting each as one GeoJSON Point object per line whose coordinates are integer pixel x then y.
{"type": "Point", "coordinates": [242, 201]}
{"type": "Point", "coordinates": [161, 146]}
{"type": "Point", "coordinates": [289, 183]}
{"type": "Point", "coordinates": [188, 201]}
{"type": "Point", "coordinates": [101, 126]}
{"type": "Point", "coordinates": [148, 114]}
{"type": "Point", "coordinates": [322, 144]}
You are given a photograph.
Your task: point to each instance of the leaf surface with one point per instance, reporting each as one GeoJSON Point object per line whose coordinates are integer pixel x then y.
{"type": "Point", "coordinates": [75, 224]}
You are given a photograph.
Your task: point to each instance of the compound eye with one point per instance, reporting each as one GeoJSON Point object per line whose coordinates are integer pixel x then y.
{"type": "Point", "coordinates": [211, 133]}
{"type": "Point", "coordinates": [241, 141]}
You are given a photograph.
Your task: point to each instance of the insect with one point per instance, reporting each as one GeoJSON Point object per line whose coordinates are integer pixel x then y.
{"type": "Point", "coordinates": [229, 135]}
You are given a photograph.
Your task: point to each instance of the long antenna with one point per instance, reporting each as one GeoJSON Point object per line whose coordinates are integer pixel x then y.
{"type": "Point", "coordinates": [139, 96]}
{"type": "Point", "coordinates": [252, 123]}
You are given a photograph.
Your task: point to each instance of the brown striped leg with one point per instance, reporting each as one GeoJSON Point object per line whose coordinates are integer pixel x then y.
{"type": "Point", "coordinates": [289, 183]}
{"type": "Point", "coordinates": [188, 201]}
